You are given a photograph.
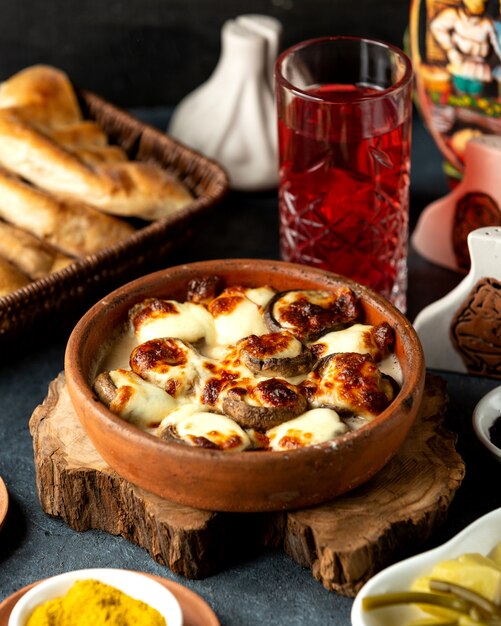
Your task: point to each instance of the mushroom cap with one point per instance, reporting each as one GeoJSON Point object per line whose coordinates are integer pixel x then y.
{"type": "Point", "coordinates": [269, 403]}
{"type": "Point", "coordinates": [307, 314]}
{"type": "Point", "coordinates": [275, 354]}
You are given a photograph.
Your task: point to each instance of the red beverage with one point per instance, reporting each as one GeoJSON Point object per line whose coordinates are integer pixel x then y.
{"type": "Point", "coordinates": [344, 183]}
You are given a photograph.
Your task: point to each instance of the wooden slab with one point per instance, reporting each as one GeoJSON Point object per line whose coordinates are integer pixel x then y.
{"type": "Point", "coordinates": [344, 542]}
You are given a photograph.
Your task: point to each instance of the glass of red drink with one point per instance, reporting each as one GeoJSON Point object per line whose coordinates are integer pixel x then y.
{"type": "Point", "coordinates": [344, 127]}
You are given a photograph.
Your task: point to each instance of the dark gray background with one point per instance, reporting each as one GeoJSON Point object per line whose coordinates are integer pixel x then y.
{"type": "Point", "coordinates": [153, 52]}
{"type": "Point", "coordinates": [144, 53]}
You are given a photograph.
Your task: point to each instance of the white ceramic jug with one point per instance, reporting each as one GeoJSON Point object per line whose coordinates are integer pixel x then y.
{"type": "Point", "coordinates": [231, 117]}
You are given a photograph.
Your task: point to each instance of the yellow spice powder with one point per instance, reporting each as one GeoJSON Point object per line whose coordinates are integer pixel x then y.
{"type": "Point", "coordinates": [92, 603]}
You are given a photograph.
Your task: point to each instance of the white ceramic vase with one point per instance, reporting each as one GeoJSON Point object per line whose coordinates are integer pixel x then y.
{"type": "Point", "coordinates": [231, 117]}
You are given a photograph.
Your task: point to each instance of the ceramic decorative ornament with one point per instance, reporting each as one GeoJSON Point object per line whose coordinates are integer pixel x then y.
{"type": "Point", "coordinates": [231, 117]}
{"type": "Point", "coordinates": [456, 52]}
{"type": "Point", "coordinates": [442, 229]}
{"type": "Point", "coordinates": [462, 331]}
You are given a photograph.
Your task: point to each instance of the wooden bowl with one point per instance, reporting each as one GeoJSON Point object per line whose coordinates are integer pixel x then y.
{"type": "Point", "coordinates": [247, 481]}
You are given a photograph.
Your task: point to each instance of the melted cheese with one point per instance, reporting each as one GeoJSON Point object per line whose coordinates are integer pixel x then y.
{"type": "Point", "coordinates": [271, 345]}
{"type": "Point", "coordinates": [195, 425]}
{"type": "Point", "coordinates": [198, 386]}
{"type": "Point", "coordinates": [352, 382]}
{"type": "Point", "coordinates": [311, 312]}
{"type": "Point", "coordinates": [356, 338]}
{"type": "Point", "coordinates": [119, 354]}
{"type": "Point", "coordinates": [312, 427]}
{"type": "Point", "coordinates": [138, 401]}
{"type": "Point", "coordinates": [391, 367]}
{"type": "Point", "coordinates": [260, 295]}
{"type": "Point", "coordinates": [245, 318]}
{"type": "Point", "coordinates": [177, 375]}
{"type": "Point", "coordinates": [187, 321]}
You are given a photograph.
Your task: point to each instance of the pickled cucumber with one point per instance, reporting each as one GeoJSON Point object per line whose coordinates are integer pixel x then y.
{"type": "Point", "coordinates": [474, 572]}
{"type": "Point", "coordinates": [465, 591]}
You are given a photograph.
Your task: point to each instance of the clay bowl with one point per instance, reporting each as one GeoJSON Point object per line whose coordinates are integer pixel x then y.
{"type": "Point", "coordinates": [247, 481]}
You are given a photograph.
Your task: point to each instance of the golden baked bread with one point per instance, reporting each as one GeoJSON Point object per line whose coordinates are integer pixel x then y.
{"type": "Point", "coordinates": [62, 182]}
{"type": "Point", "coordinates": [87, 141]}
{"type": "Point", "coordinates": [30, 255]}
{"type": "Point", "coordinates": [10, 278]}
{"type": "Point", "coordinates": [95, 155]}
{"type": "Point", "coordinates": [128, 188]}
{"type": "Point", "coordinates": [44, 93]}
{"type": "Point", "coordinates": [81, 134]}
{"type": "Point", "coordinates": [72, 226]}
{"type": "Point", "coordinates": [36, 147]}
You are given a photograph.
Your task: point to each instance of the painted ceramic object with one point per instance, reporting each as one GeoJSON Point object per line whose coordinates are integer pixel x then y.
{"type": "Point", "coordinates": [442, 230]}
{"type": "Point", "coordinates": [231, 117]}
{"type": "Point", "coordinates": [462, 331]}
{"type": "Point", "coordinates": [456, 51]}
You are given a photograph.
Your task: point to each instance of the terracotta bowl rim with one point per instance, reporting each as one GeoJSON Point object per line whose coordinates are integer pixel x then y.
{"type": "Point", "coordinates": [74, 370]}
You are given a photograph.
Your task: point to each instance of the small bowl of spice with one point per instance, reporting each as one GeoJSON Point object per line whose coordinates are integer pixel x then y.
{"type": "Point", "coordinates": [96, 597]}
{"type": "Point", "coordinates": [487, 422]}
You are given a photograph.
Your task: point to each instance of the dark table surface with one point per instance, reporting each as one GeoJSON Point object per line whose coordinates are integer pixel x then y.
{"type": "Point", "coordinates": [270, 588]}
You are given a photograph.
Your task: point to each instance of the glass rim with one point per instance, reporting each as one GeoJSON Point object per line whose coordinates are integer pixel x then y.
{"type": "Point", "coordinates": [400, 84]}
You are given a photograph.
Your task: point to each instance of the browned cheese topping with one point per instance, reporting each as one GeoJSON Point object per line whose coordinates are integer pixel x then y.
{"type": "Point", "coordinates": [378, 341]}
{"type": "Point", "coordinates": [265, 346]}
{"type": "Point", "coordinates": [150, 309]}
{"type": "Point", "coordinates": [227, 301]}
{"type": "Point", "coordinates": [252, 368]}
{"type": "Point", "coordinates": [275, 392]}
{"type": "Point", "coordinates": [351, 382]}
{"type": "Point", "coordinates": [219, 379]}
{"type": "Point", "coordinates": [308, 314]}
{"type": "Point", "coordinates": [166, 362]}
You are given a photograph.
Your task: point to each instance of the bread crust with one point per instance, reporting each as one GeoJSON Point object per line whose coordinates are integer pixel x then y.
{"type": "Point", "coordinates": [71, 226]}
{"type": "Point", "coordinates": [29, 254]}
{"type": "Point", "coordinates": [62, 184]}
{"type": "Point", "coordinates": [10, 278]}
{"type": "Point", "coordinates": [44, 93]}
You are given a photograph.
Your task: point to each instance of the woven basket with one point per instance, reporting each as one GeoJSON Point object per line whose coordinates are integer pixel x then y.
{"type": "Point", "coordinates": [48, 300]}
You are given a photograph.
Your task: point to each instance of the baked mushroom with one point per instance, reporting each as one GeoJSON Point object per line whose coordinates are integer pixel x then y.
{"type": "Point", "coordinates": [377, 340]}
{"type": "Point", "coordinates": [153, 318]}
{"type": "Point", "coordinates": [350, 383]}
{"type": "Point", "coordinates": [275, 354]}
{"type": "Point", "coordinates": [201, 428]}
{"type": "Point", "coordinates": [169, 363]}
{"type": "Point", "coordinates": [310, 428]}
{"type": "Point", "coordinates": [236, 316]}
{"type": "Point", "coordinates": [203, 289]}
{"type": "Point", "coordinates": [307, 314]}
{"type": "Point", "coordinates": [265, 405]}
{"type": "Point", "coordinates": [105, 388]}
{"type": "Point", "coordinates": [135, 400]}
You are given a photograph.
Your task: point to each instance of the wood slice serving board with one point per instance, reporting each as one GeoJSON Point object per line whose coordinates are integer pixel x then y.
{"type": "Point", "coordinates": [343, 542]}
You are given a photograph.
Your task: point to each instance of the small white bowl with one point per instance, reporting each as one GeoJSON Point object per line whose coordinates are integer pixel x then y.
{"type": "Point", "coordinates": [134, 584]}
{"type": "Point", "coordinates": [484, 414]}
{"type": "Point", "coordinates": [480, 536]}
